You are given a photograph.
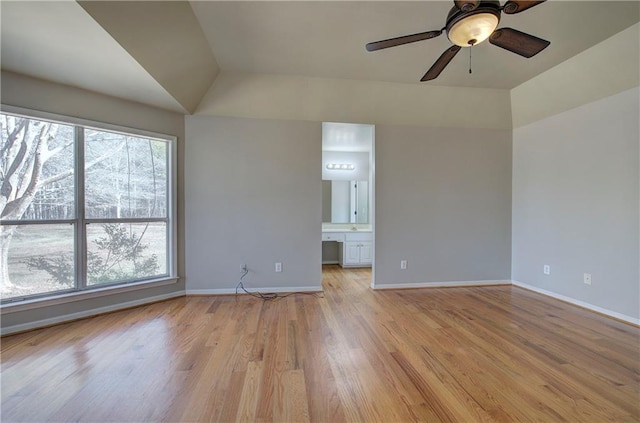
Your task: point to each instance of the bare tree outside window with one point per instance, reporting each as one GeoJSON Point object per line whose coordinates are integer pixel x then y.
{"type": "Point", "coordinates": [36, 184]}
{"type": "Point", "coordinates": [125, 178]}
{"type": "Point", "coordinates": [131, 184]}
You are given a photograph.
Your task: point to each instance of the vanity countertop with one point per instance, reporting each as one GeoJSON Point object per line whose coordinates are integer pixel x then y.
{"type": "Point", "coordinates": [345, 228]}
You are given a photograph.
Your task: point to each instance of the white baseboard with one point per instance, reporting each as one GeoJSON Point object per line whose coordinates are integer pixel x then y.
{"type": "Point", "coordinates": [579, 303]}
{"type": "Point", "coordinates": [440, 284]}
{"type": "Point", "coordinates": [87, 313]}
{"type": "Point", "coordinates": [227, 291]}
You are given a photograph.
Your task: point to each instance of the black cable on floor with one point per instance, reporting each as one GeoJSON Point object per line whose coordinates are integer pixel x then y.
{"type": "Point", "coordinates": [271, 296]}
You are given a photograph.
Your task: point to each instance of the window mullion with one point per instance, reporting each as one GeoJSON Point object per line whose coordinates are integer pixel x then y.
{"type": "Point", "coordinates": [81, 228]}
{"type": "Point", "coordinates": [127, 220]}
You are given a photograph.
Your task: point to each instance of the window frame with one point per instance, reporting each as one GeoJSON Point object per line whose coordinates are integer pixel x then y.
{"type": "Point", "coordinates": [81, 289]}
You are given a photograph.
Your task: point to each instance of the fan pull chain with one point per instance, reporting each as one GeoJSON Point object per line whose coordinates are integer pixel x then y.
{"type": "Point", "coordinates": [470, 58]}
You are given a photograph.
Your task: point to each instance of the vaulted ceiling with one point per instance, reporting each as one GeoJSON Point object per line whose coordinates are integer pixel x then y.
{"type": "Point", "coordinates": [168, 54]}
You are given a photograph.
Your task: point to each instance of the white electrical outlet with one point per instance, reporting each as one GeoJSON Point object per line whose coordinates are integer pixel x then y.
{"type": "Point", "coordinates": [278, 267]}
{"type": "Point", "coordinates": [546, 269]}
{"type": "Point", "coordinates": [403, 264]}
{"type": "Point", "coordinates": [587, 278]}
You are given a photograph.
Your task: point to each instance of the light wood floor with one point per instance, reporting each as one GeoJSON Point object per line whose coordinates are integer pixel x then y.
{"type": "Point", "coordinates": [456, 354]}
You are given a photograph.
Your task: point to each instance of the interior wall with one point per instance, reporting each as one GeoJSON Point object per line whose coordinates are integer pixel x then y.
{"type": "Point", "coordinates": [255, 197]}
{"type": "Point", "coordinates": [21, 91]}
{"type": "Point", "coordinates": [326, 205]}
{"type": "Point", "coordinates": [608, 68]}
{"type": "Point", "coordinates": [443, 203]}
{"type": "Point", "coordinates": [267, 96]}
{"type": "Point", "coordinates": [443, 192]}
{"type": "Point", "coordinates": [576, 204]}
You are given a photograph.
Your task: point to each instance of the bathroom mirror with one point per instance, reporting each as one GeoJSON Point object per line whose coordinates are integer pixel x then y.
{"type": "Point", "coordinates": [345, 201]}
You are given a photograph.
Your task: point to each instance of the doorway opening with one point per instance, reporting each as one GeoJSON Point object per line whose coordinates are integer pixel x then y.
{"type": "Point", "coordinates": [348, 193]}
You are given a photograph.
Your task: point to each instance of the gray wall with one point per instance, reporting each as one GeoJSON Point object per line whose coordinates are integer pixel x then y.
{"type": "Point", "coordinates": [443, 202]}
{"type": "Point", "coordinates": [254, 196]}
{"type": "Point", "coordinates": [21, 91]}
{"type": "Point", "coordinates": [326, 201]}
{"type": "Point", "coordinates": [576, 203]}
{"type": "Point", "coordinates": [443, 199]}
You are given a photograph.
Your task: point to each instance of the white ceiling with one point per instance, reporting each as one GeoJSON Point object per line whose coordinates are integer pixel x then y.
{"type": "Point", "coordinates": [327, 39]}
{"type": "Point", "coordinates": [61, 42]}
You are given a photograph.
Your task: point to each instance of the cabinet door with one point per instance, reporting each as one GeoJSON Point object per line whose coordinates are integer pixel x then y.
{"type": "Point", "coordinates": [366, 252]}
{"type": "Point", "coordinates": [352, 252]}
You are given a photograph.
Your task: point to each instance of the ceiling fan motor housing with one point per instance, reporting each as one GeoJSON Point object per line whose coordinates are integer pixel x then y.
{"type": "Point", "coordinates": [470, 27]}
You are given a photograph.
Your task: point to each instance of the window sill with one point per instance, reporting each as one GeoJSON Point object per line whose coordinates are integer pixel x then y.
{"type": "Point", "coordinates": [69, 297]}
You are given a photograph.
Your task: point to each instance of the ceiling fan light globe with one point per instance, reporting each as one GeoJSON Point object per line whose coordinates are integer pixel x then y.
{"type": "Point", "coordinates": [476, 27]}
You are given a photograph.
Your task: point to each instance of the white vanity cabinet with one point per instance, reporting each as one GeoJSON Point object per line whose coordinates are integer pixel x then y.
{"type": "Point", "coordinates": [357, 250]}
{"type": "Point", "coordinates": [351, 248]}
{"type": "Point", "coordinates": [333, 236]}
{"type": "Point", "coordinates": [357, 253]}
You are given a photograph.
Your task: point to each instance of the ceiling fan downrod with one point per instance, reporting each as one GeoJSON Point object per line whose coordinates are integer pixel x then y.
{"type": "Point", "coordinates": [471, 44]}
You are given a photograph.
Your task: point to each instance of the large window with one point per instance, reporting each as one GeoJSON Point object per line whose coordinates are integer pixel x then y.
{"type": "Point", "coordinates": [81, 207]}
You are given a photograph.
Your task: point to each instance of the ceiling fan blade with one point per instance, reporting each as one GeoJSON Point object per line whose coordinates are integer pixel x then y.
{"type": "Point", "coordinates": [517, 6]}
{"type": "Point", "coordinates": [441, 63]}
{"type": "Point", "coordinates": [466, 5]}
{"type": "Point", "coordinates": [518, 42]}
{"type": "Point", "coordinates": [406, 39]}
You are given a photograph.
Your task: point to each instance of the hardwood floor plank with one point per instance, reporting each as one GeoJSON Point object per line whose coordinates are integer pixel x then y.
{"type": "Point", "coordinates": [274, 360]}
{"type": "Point", "coordinates": [478, 354]}
{"type": "Point", "coordinates": [292, 398]}
{"type": "Point", "coordinates": [320, 385]}
{"type": "Point", "coordinates": [249, 395]}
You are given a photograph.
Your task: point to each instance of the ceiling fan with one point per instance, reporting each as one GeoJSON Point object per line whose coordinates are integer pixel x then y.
{"type": "Point", "coordinates": [469, 23]}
